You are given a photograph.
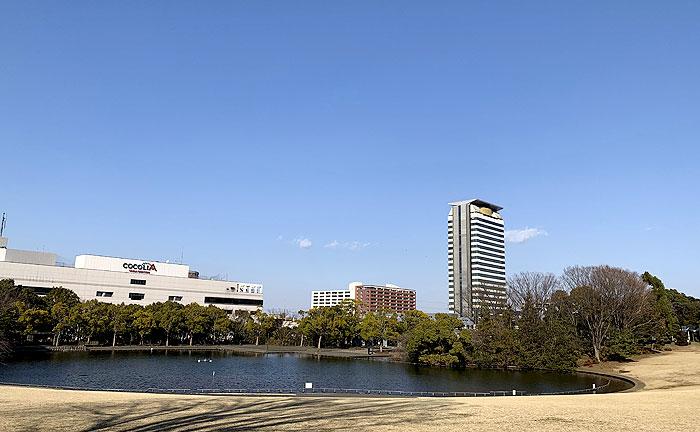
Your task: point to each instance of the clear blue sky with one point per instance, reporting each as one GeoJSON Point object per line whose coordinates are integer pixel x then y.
{"type": "Point", "coordinates": [250, 135]}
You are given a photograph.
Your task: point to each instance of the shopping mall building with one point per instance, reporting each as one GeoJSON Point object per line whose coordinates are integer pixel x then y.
{"type": "Point", "coordinates": [123, 280]}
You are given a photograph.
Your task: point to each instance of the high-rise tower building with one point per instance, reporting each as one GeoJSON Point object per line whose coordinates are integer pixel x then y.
{"type": "Point", "coordinates": [476, 258]}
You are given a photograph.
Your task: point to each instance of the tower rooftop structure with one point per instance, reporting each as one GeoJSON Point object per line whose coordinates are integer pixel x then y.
{"type": "Point", "coordinates": [478, 203]}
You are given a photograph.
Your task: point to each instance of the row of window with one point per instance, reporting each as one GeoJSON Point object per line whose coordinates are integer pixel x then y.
{"type": "Point", "coordinates": [487, 278]}
{"type": "Point", "coordinates": [132, 296]}
{"type": "Point", "coordinates": [478, 240]}
{"type": "Point", "coordinates": [500, 252]}
{"type": "Point", "coordinates": [490, 232]}
{"type": "Point", "coordinates": [481, 253]}
{"type": "Point", "coordinates": [478, 261]}
{"type": "Point", "coordinates": [495, 239]}
{"type": "Point", "coordinates": [233, 301]}
{"type": "Point", "coordinates": [483, 264]}
{"type": "Point", "coordinates": [496, 242]}
{"type": "Point", "coordinates": [483, 240]}
{"type": "Point", "coordinates": [219, 300]}
{"type": "Point", "coordinates": [478, 223]}
{"type": "Point", "coordinates": [476, 274]}
{"type": "Point", "coordinates": [241, 289]}
{"type": "Point", "coordinates": [479, 274]}
{"type": "Point", "coordinates": [393, 301]}
{"type": "Point", "coordinates": [488, 221]}
{"type": "Point", "coordinates": [501, 261]}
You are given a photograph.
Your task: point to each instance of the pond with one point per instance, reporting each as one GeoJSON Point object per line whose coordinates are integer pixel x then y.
{"type": "Point", "coordinates": [143, 370]}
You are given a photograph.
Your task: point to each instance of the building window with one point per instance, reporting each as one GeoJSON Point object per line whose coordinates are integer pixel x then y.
{"type": "Point", "coordinates": [232, 301]}
{"type": "Point", "coordinates": [136, 296]}
{"type": "Point", "coordinates": [104, 293]}
{"type": "Point", "coordinates": [138, 281]}
{"type": "Point", "coordinates": [175, 298]}
{"type": "Point", "coordinates": [40, 291]}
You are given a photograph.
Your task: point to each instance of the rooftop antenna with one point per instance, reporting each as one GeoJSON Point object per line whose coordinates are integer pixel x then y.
{"type": "Point", "coordinates": [2, 224]}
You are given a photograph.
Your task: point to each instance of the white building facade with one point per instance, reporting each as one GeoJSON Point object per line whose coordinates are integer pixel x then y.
{"type": "Point", "coordinates": [123, 280]}
{"type": "Point", "coordinates": [371, 297]}
{"type": "Point", "coordinates": [476, 258]}
{"type": "Point", "coordinates": [330, 297]}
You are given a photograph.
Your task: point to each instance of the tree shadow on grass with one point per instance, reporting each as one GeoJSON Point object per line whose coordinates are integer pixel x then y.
{"type": "Point", "coordinates": [249, 413]}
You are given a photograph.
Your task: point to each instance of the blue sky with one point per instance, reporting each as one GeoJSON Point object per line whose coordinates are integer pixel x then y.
{"type": "Point", "coordinates": [248, 136]}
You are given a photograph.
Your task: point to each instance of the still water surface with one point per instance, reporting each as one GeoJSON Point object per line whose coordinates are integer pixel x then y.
{"type": "Point", "coordinates": [137, 370]}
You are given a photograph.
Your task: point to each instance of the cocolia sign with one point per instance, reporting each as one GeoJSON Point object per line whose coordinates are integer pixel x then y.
{"type": "Point", "coordinates": [140, 268]}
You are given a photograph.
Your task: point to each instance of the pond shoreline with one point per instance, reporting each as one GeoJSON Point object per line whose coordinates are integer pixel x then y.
{"type": "Point", "coordinates": [672, 385]}
{"type": "Point", "coordinates": [239, 349]}
{"type": "Point", "coordinates": [619, 383]}
{"type": "Point", "coordinates": [345, 353]}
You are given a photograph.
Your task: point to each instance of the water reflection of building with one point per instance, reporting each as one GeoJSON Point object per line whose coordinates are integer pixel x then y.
{"type": "Point", "coordinates": [372, 297]}
{"type": "Point", "coordinates": [123, 280]}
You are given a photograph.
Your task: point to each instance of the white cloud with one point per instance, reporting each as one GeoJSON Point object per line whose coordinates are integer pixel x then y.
{"type": "Point", "coordinates": [354, 245]}
{"type": "Point", "coordinates": [303, 243]}
{"type": "Point", "coordinates": [280, 237]}
{"type": "Point", "coordinates": [332, 245]}
{"type": "Point", "coordinates": [519, 236]}
{"type": "Point", "coordinates": [358, 245]}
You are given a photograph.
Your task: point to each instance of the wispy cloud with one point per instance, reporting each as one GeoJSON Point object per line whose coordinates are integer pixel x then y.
{"type": "Point", "coordinates": [303, 243]}
{"type": "Point", "coordinates": [354, 245]}
{"type": "Point", "coordinates": [519, 236]}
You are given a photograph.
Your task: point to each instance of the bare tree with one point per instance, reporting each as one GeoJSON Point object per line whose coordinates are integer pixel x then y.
{"type": "Point", "coordinates": [538, 286]}
{"type": "Point", "coordinates": [604, 298]}
{"type": "Point", "coordinates": [287, 313]}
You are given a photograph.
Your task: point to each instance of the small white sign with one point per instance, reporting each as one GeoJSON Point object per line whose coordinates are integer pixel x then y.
{"type": "Point", "coordinates": [308, 385]}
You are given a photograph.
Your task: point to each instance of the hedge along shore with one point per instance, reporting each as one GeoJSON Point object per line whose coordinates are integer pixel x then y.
{"type": "Point", "coordinates": [668, 402]}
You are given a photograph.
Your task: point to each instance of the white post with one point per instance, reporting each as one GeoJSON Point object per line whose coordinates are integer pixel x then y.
{"type": "Point", "coordinates": [593, 386]}
{"type": "Point", "coordinates": [513, 392]}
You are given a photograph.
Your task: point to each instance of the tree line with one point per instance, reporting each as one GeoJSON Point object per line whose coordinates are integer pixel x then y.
{"type": "Point", "coordinates": [549, 322]}
{"type": "Point", "coordinates": [61, 318]}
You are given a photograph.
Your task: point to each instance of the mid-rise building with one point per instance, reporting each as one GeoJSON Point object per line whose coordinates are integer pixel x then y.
{"type": "Point", "coordinates": [328, 297]}
{"type": "Point", "coordinates": [476, 259]}
{"type": "Point", "coordinates": [123, 280]}
{"type": "Point", "coordinates": [375, 297]}
{"type": "Point", "coordinates": [372, 297]}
